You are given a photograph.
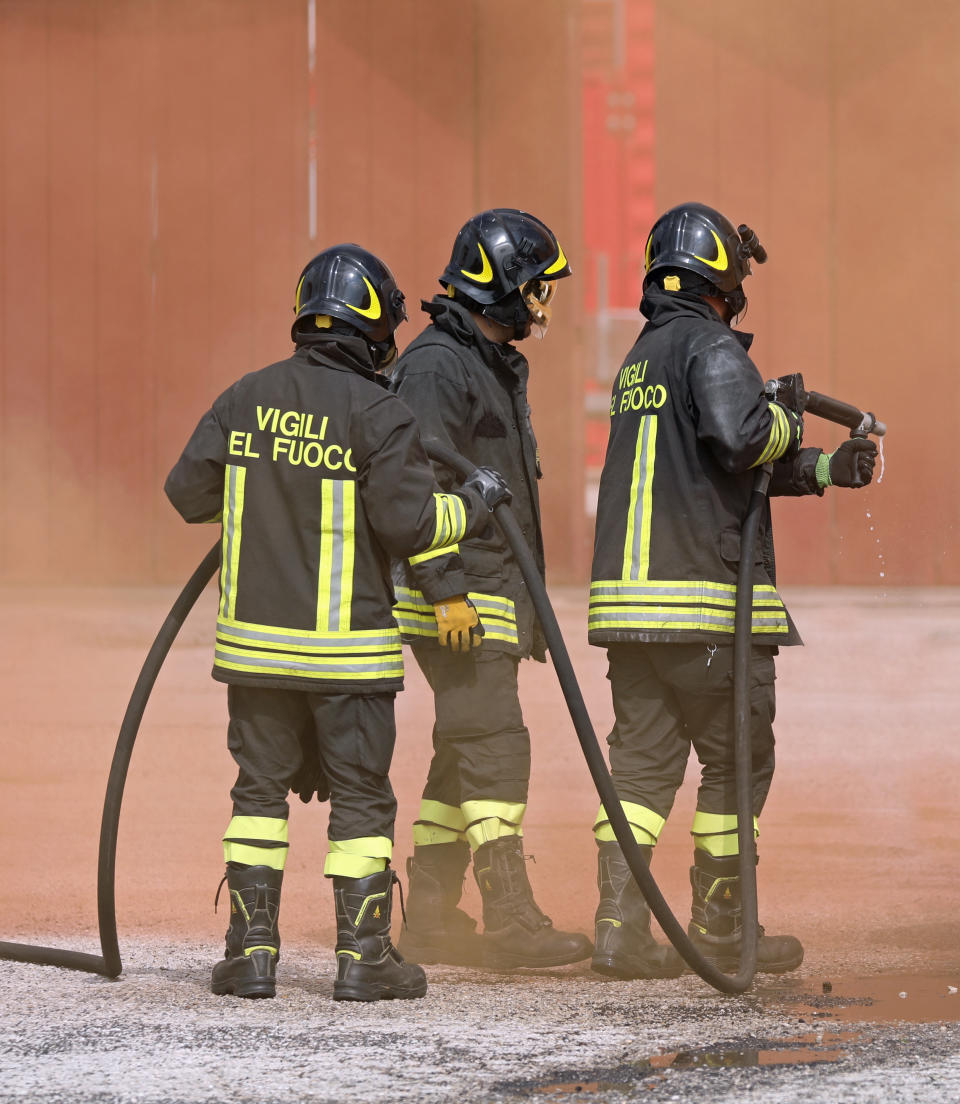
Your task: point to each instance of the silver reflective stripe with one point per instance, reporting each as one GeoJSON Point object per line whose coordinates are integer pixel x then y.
{"type": "Point", "coordinates": [692, 590]}
{"type": "Point", "coordinates": [336, 559]}
{"type": "Point", "coordinates": [663, 617]}
{"type": "Point", "coordinates": [341, 642]}
{"type": "Point", "coordinates": [637, 550]}
{"type": "Point", "coordinates": [258, 661]}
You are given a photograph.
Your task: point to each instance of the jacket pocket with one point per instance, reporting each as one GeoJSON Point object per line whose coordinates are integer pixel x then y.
{"type": "Point", "coordinates": [482, 563]}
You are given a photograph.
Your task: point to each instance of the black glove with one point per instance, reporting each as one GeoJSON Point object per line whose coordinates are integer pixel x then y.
{"type": "Point", "coordinates": [310, 779]}
{"type": "Point", "coordinates": [852, 464]}
{"type": "Point", "coordinates": [489, 485]}
{"type": "Point", "coordinates": [795, 424]}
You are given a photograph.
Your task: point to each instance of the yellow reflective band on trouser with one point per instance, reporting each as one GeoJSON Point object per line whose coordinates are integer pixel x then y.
{"type": "Point", "coordinates": [716, 833]}
{"type": "Point", "coordinates": [645, 824]}
{"type": "Point", "coordinates": [439, 823]}
{"type": "Point", "coordinates": [491, 820]}
{"type": "Point", "coordinates": [256, 841]}
{"type": "Point", "coordinates": [357, 858]}
{"type": "Point", "coordinates": [451, 521]}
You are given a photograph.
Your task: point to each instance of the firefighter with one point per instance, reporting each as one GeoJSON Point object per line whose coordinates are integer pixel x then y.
{"type": "Point", "coordinates": [467, 385]}
{"type": "Point", "coordinates": [689, 423]}
{"type": "Point", "coordinates": [317, 476]}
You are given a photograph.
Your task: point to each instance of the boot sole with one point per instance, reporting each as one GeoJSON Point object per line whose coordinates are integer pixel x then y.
{"type": "Point", "coordinates": [252, 989]}
{"type": "Point", "coordinates": [732, 965]}
{"type": "Point", "coordinates": [367, 993]}
{"type": "Point", "coordinates": [494, 961]}
{"type": "Point", "coordinates": [611, 966]}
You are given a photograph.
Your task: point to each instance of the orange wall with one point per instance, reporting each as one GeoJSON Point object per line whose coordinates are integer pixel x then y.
{"type": "Point", "coordinates": [155, 211]}
{"type": "Point", "coordinates": [154, 216]}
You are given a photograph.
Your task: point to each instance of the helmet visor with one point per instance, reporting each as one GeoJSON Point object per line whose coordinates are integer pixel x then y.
{"type": "Point", "coordinates": [537, 297]}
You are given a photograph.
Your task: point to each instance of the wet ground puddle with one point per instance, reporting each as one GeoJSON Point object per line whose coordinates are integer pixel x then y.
{"type": "Point", "coordinates": [878, 1000]}
{"type": "Point", "coordinates": [881, 999]}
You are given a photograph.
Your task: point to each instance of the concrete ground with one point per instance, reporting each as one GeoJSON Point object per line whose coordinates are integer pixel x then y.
{"type": "Point", "coordinates": [857, 859]}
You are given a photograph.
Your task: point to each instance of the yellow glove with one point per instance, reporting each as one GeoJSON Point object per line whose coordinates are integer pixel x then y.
{"type": "Point", "coordinates": [458, 624]}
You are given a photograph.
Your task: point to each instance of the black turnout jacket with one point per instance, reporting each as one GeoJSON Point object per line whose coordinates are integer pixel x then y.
{"type": "Point", "coordinates": [471, 395]}
{"type": "Point", "coordinates": [689, 423]}
{"type": "Point", "coordinates": [318, 477]}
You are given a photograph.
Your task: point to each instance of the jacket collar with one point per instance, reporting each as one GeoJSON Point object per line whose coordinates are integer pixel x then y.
{"type": "Point", "coordinates": [661, 307]}
{"type": "Point", "coordinates": [453, 319]}
{"type": "Point", "coordinates": [342, 353]}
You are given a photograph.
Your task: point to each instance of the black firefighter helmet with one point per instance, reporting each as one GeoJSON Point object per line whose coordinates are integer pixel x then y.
{"type": "Point", "coordinates": [347, 284]}
{"type": "Point", "coordinates": [697, 240]}
{"type": "Point", "coordinates": [496, 255]}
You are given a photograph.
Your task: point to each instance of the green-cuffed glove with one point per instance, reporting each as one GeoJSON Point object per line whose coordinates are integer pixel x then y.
{"type": "Point", "coordinates": [850, 466]}
{"type": "Point", "coordinates": [458, 624]}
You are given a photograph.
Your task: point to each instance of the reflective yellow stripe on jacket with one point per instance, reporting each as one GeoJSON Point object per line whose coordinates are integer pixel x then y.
{"type": "Point", "coordinates": [331, 651]}
{"type": "Point", "coordinates": [676, 605]}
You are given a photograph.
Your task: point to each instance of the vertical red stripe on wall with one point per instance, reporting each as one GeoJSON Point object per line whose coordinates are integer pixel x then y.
{"type": "Point", "coordinates": [618, 151]}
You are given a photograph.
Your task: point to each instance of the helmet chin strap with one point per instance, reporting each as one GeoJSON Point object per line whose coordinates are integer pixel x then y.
{"type": "Point", "coordinates": [512, 312]}
{"type": "Point", "coordinates": [736, 301]}
{"type": "Point", "coordinates": [383, 354]}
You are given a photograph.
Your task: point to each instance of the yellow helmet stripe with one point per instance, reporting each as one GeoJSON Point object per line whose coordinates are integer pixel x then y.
{"type": "Point", "coordinates": [721, 262]}
{"type": "Point", "coordinates": [485, 275]}
{"type": "Point", "coordinates": [559, 263]}
{"type": "Point", "coordinates": [372, 312]}
{"type": "Point", "coordinates": [299, 289]}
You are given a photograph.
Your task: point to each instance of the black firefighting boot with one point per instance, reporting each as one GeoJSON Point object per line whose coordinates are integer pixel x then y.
{"type": "Point", "coordinates": [369, 967]}
{"type": "Point", "coordinates": [516, 933]}
{"type": "Point", "coordinates": [436, 930]}
{"type": "Point", "coordinates": [624, 946]}
{"type": "Point", "coordinates": [249, 967]}
{"type": "Point", "coordinates": [715, 928]}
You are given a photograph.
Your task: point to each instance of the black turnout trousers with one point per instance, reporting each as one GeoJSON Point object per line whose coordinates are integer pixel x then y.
{"type": "Point", "coordinates": [353, 735]}
{"type": "Point", "coordinates": [481, 747]}
{"type": "Point", "coordinates": [669, 697]}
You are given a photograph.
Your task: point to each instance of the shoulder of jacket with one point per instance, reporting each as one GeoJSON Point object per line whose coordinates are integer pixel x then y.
{"type": "Point", "coordinates": [705, 336]}
{"type": "Point", "coordinates": [437, 353]}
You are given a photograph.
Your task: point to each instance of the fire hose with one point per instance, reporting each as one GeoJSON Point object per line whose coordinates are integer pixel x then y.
{"type": "Point", "coordinates": [788, 389]}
